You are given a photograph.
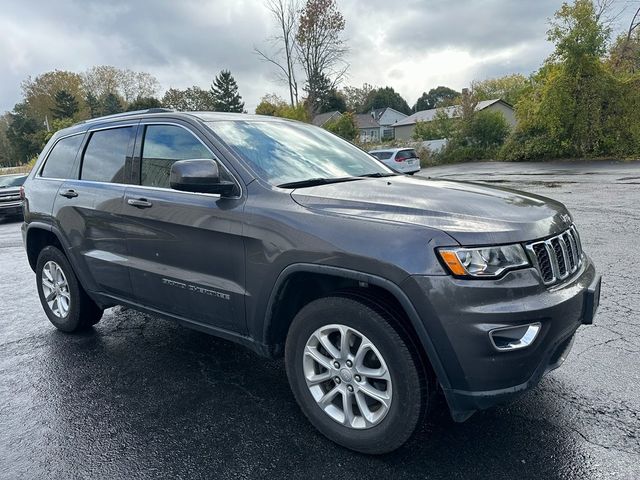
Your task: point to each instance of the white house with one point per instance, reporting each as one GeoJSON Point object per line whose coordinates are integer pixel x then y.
{"type": "Point", "coordinates": [404, 128]}
{"type": "Point", "coordinates": [378, 124]}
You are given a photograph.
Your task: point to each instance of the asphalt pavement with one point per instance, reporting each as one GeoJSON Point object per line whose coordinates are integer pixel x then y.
{"type": "Point", "coordinates": [139, 397]}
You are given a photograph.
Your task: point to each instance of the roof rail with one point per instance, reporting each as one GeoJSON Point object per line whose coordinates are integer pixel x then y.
{"type": "Point", "coordinates": [128, 114]}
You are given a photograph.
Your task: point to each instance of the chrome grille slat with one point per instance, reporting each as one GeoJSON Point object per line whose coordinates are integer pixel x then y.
{"type": "Point", "coordinates": [558, 257]}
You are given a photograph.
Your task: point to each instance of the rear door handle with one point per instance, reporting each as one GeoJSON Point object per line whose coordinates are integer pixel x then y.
{"type": "Point", "coordinates": [69, 193]}
{"type": "Point", "coordinates": [139, 202]}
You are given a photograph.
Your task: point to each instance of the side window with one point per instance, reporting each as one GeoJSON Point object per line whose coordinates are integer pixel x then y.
{"type": "Point", "coordinates": [61, 160]}
{"type": "Point", "coordinates": [105, 156]}
{"type": "Point", "coordinates": [163, 145]}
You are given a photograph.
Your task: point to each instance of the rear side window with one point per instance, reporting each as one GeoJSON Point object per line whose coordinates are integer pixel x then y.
{"type": "Point", "coordinates": [163, 145]}
{"type": "Point", "coordinates": [382, 155]}
{"type": "Point", "coordinates": [60, 163]}
{"type": "Point", "coordinates": [105, 156]}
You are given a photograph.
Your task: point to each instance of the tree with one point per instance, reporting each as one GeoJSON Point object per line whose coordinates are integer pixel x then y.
{"type": "Point", "coordinates": [442, 126]}
{"type": "Point", "coordinates": [386, 97]}
{"type": "Point", "coordinates": [101, 80]}
{"type": "Point", "coordinates": [508, 88]}
{"type": "Point", "coordinates": [93, 105]}
{"type": "Point", "coordinates": [144, 103]}
{"type": "Point", "coordinates": [576, 106]}
{"type": "Point", "coordinates": [225, 93]}
{"type": "Point", "coordinates": [192, 99]}
{"type": "Point", "coordinates": [284, 12]}
{"type": "Point", "coordinates": [321, 48]}
{"type": "Point", "coordinates": [333, 101]}
{"type": "Point", "coordinates": [344, 126]}
{"type": "Point", "coordinates": [111, 104]}
{"type": "Point", "coordinates": [25, 134]}
{"type": "Point", "coordinates": [66, 105]}
{"type": "Point", "coordinates": [625, 53]}
{"type": "Point", "coordinates": [270, 105]}
{"type": "Point", "coordinates": [356, 97]}
{"type": "Point", "coordinates": [437, 97]}
{"type": "Point", "coordinates": [39, 93]}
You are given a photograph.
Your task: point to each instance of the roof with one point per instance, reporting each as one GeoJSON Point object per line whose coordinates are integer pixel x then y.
{"type": "Point", "coordinates": [451, 112]}
{"type": "Point", "coordinates": [394, 150]}
{"type": "Point", "coordinates": [366, 120]}
{"type": "Point", "coordinates": [322, 118]}
{"type": "Point", "coordinates": [379, 112]}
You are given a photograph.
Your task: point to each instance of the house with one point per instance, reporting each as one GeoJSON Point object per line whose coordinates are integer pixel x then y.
{"type": "Point", "coordinates": [322, 119]}
{"type": "Point", "coordinates": [404, 128]}
{"type": "Point", "coordinates": [378, 124]}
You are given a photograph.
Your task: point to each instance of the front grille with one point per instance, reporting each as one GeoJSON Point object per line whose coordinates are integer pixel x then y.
{"type": "Point", "coordinates": [557, 257]}
{"type": "Point", "coordinates": [9, 198]}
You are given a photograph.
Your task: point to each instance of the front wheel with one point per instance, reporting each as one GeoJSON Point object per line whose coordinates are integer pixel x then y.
{"type": "Point", "coordinates": [354, 376]}
{"type": "Point", "coordinates": [66, 304]}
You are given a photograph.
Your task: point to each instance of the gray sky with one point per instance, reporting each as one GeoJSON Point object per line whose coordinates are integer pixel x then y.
{"type": "Point", "coordinates": [411, 45]}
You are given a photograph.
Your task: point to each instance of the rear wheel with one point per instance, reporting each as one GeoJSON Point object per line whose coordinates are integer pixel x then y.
{"type": "Point", "coordinates": [66, 304]}
{"type": "Point", "coordinates": [353, 375]}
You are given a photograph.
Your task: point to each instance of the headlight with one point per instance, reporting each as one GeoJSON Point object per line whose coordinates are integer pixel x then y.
{"type": "Point", "coordinates": [485, 262]}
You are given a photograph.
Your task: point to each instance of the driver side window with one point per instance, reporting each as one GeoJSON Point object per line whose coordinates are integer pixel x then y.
{"type": "Point", "coordinates": [162, 146]}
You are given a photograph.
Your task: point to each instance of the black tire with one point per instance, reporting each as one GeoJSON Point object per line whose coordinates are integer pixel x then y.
{"type": "Point", "coordinates": [82, 311]}
{"type": "Point", "coordinates": [410, 387]}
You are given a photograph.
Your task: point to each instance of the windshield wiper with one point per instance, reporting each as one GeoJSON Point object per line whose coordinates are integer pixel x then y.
{"type": "Point", "coordinates": [312, 182]}
{"type": "Point", "coordinates": [378, 175]}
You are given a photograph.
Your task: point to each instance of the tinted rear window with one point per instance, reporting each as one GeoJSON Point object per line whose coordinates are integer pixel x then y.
{"type": "Point", "coordinates": [404, 154]}
{"type": "Point", "coordinates": [382, 155]}
{"type": "Point", "coordinates": [105, 156]}
{"type": "Point", "coordinates": [61, 160]}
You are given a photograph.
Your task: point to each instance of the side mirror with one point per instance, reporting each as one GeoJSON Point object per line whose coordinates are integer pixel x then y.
{"type": "Point", "coordinates": [199, 175]}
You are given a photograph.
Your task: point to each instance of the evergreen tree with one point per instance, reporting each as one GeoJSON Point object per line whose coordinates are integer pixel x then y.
{"type": "Point", "coordinates": [143, 103]}
{"type": "Point", "coordinates": [94, 105]}
{"type": "Point", "coordinates": [225, 93]}
{"type": "Point", "coordinates": [66, 105]}
{"type": "Point", "coordinates": [111, 104]}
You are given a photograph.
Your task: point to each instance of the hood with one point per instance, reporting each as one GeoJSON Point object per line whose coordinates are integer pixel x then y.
{"type": "Point", "coordinates": [472, 214]}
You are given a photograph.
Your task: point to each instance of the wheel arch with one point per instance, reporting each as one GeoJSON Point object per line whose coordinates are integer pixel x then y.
{"type": "Point", "coordinates": [285, 301]}
{"type": "Point", "coordinates": [38, 236]}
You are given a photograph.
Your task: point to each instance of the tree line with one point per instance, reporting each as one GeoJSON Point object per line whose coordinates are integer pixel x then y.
{"type": "Point", "coordinates": [584, 101]}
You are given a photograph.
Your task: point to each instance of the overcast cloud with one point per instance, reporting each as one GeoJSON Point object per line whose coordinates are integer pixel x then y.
{"type": "Point", "coordinates": [411, 45]}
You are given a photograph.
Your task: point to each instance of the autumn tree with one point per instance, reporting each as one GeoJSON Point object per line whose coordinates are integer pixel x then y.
{"type": "Point", "coordinates": [321, 48]}
{"type": "Point", "coordinates": [192, 99]}
{"type": "Point", "coordinates": [283, 55]}
{"type": "Point", "coordinates": [128, 85]}
{"type": "Point", "coordinates": [508, 88]}
{"type": "Point", "coordinates": [39, 93]}
{"type": "Point", "coordinates": [356, 97]}
{"type": "Point", "coordinates": [225, 93]}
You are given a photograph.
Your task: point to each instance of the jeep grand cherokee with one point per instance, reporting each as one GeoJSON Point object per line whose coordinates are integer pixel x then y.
{"type": "Point", "coordinates": [378, 289]}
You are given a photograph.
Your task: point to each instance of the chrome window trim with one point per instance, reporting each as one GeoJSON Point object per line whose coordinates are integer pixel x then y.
{"type": "Point", "coordinates": [147, 122]}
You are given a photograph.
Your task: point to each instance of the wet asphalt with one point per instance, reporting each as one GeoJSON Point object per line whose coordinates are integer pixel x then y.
{"type": "Point", "coordinates": [139, 397]}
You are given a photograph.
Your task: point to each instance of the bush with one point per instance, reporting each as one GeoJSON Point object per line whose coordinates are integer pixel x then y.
{"type": "Point", "coordinates": [344, 126]}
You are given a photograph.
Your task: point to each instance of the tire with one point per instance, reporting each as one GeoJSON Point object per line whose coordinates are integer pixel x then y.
{"type": "Point", "coordinates": [376, 428]}
{"type": "Point", "coordinates": [69, 308]}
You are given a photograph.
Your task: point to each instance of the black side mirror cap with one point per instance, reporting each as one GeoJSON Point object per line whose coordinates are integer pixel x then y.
{"type": "Point", "coordinates": [200, 176]}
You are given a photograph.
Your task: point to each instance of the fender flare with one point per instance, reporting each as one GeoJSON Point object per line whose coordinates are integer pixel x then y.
{"type": "Point", "coordinates": [391, 287]}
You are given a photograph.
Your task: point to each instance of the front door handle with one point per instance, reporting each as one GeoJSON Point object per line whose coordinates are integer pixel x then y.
{"type": "Point", "coordinates": [69, 193]}
{"type": "Point", "coordinates": [139, 202]}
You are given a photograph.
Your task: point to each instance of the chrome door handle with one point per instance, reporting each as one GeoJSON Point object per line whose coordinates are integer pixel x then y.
{"type": "Point", "coordinates": [69, 193]}
{"type": "Point", "coordinates": [139, 202]}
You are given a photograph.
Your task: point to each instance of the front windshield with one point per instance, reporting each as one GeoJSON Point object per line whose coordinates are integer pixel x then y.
{"type": "Point", "coordinates": [12, 181]}
{"type": "Point", "coordinates": [285, 152]}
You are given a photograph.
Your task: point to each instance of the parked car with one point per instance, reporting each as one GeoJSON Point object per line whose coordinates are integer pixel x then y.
{"type": "Point", "coordinates": [378, 289]}
{"type": "Point", "coordinates": [10, 199]}
{"type": "Point", "coordinates": [404, 160]}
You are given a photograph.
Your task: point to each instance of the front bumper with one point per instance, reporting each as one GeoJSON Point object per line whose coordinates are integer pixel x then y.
{"type": "Point", "coordinates": [459, 314]}
{"type": "Point", "coordinates": [10, 209]}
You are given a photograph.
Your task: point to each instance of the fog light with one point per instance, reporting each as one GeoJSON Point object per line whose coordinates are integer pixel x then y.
{"type": "Point", "coordinates": [514, 338]}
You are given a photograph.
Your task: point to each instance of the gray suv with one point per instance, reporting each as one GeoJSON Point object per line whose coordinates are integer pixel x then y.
{"type": "Point", "coordinates": [380, 290]}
